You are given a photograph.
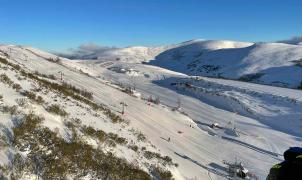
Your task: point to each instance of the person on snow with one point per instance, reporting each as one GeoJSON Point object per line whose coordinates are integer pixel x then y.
{"type": "Point", "coordinates": [290, 168]}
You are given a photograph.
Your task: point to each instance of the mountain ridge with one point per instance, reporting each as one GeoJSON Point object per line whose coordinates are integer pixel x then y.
{"type": "Point", "coordinates": [276, 63]}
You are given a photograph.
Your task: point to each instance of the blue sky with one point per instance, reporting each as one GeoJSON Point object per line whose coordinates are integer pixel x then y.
{"type": "Point", "coordinates": [57, 25]}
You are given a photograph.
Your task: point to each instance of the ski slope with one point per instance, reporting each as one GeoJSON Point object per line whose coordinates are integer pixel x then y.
{"type": "Point", "coordinates": [272, 127]}
{"type": "Point", "coordinates": [258, 141]}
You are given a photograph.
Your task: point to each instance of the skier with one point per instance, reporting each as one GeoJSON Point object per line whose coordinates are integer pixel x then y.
{"type": "Point", "coordinates": [169, 139]}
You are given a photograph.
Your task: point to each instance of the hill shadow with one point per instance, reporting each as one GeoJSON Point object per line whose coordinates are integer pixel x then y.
{"type": "Point", "coordinates": [212, 167]}
{"type": "Point", "coordinates": [177, 59]}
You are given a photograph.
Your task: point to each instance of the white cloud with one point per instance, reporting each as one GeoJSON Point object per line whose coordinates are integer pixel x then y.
{"type": "Point", "coordinates": [86, 51]}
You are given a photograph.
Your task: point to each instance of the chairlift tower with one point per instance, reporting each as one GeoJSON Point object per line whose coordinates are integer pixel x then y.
{"type": "Point", "coordinates": [61, 75]}
{"type": "Point", "coordinates": [178, 103]}
{"type": "Point", "coordinates": [123, 107]}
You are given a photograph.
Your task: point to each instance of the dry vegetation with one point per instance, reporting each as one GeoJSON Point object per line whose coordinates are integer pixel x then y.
{"type": "Point", "coordinates": [51, 157]}
{"type": "Point", "coordinates": [57, 109]}
{"type": "Point", "coordinates": [67, 90]}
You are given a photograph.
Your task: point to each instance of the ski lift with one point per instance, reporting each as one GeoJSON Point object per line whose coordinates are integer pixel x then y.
{"type": "Point", "coordinates": [123, 107]}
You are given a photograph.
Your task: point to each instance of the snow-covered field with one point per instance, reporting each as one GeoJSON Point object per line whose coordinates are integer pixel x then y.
{"type": "Point", "coordinates": [258, 122]}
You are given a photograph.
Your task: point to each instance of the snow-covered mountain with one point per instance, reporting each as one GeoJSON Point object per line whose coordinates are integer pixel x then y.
{"type": "Point", "coordinates": [133, 54]}
{"type": "Point", "coordinates": [265, 63]}
{"type": "Point", "coordinates": [141, 121]}
{"type": "Point", "coordinates": [277, 64]}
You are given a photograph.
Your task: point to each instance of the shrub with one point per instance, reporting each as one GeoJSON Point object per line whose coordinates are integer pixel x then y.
{"type": "Point", "coordinates": [17, 67]}
{"type": "Point", "coordinates": [111, 139]}
{"type": "Point", "coordinates": [166, 160]}
{"type": "Point", "coordinates": [29, 124]}
{"type": "Point", "coordinates": [99, 134]}
{"type": "Point", "coordinates": [22, 102]}
{"type": "Point", "coordinates": [20, 78]}
{"type": "Point", "coordinates": [3, 142]}
{"type": "Point", "coordinates": [39, 100]}
{"type": "Point", "coordinates": [17, 87]}
{"type": "Point", "coordinates": [150, 155]}
{"type": "Point", "coordinates": [77, 121]}
{"type": "Point", "coordinates": [51, 157]}
{"type": "Point", "coordinates": [50, 76]}
{"type": "Point", "coordinates": [117, 139]}
{"type": "Point", "coordinates": [19, 164]}
{"type": "Point", "coordinates": [5, 79]}
{"type": "Point", "coordinates": [4, 170]}
{"type": "Point", "coordinates": [83, 92]}
{"type": "Point", "coordinates": [140, 136]}
{"type": "Point", "coordinates": [12, 110]}
{"type": "Point", "coordinates": [160, 173]}
{"type": "Point", "coordinates": [4, 61]}
{"type": "Point", "coordinates": [31, 95]}
{"type": "Point", "coordinates": [57, 109]}
{"type": "Point", "coordinates": [114, 118]}
{"type": "Point", "coordinates": [133, 147]}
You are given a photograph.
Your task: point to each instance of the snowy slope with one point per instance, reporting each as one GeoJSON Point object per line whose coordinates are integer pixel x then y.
{"type": "Point", "coordinates": [267, 119]}
{"type": "Point", "coordinates": [265, 63]}
{"type": "Point", "coordinates": [41, 63]}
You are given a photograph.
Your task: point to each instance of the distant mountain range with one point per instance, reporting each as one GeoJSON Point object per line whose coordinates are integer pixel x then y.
{"type": "Point", "coordinates": [277, 64]}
